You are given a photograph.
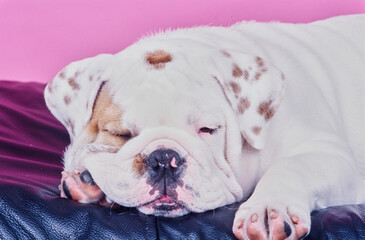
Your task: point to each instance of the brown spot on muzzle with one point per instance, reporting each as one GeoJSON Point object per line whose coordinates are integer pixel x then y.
{"type": "Point", "coordinates": [158, 58]}
{"type": "Point", "coordinates": [139, 164]}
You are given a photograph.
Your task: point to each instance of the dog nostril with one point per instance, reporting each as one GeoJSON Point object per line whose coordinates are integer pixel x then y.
{"type": "Point", "coordinates": [164, 158]}
{"type": "Point", "coordinates": [152, 162]}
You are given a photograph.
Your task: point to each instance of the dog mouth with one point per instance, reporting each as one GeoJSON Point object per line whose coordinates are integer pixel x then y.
{"type": "Point", "coordinates": [164, 204]}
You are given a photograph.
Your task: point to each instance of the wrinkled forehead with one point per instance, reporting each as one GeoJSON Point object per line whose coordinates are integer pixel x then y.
{"type": "Point", "coordinates": [159, 88]}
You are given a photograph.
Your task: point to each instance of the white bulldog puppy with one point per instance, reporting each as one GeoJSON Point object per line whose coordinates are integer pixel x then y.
{"type": "Point", "coordinates": [194, 119]}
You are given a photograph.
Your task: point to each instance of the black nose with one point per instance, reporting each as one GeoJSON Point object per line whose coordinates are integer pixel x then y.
{"type": "Point", "coordinates": [161, 159]}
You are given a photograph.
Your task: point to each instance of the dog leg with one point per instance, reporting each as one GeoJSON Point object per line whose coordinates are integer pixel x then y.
{"type": "Point", "coordinates": [281, 204]}
{"type": "Point", "coordinates": [79, 186]}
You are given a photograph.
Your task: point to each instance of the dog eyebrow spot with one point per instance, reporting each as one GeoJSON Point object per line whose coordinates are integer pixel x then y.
{"type": "Point", "coordinates": [158, 58]}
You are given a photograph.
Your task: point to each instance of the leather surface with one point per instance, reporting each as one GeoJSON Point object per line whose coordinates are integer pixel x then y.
{"type": "Point", "coordinates": [31, 146]}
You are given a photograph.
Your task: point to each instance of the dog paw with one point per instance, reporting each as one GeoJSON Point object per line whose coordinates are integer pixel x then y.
{"type": "Point", "coordinates": [277, 222]}
{"type": "Point", "coordinates": [80, 186]}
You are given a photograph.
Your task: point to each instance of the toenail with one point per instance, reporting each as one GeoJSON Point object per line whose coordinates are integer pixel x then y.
{"type": "Point", "coordinates": [64, 174]}
{"type": "Point", "coordinates": [294, 219]}
{"type": "Point", "coordinates": [254, 218]}
{"type": "Point", "coordinates": [273, 214]}
{"type": "Point", "coordinates": [239, 224]}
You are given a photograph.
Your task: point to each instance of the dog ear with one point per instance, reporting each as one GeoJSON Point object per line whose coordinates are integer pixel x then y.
{"type": "Point", "coordinates": [254, 89]}
{"type": "Point", "coordinates": [71, 94]}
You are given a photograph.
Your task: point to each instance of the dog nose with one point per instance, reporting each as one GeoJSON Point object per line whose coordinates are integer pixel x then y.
{"type": "Point", "coordinates": [164, 159]}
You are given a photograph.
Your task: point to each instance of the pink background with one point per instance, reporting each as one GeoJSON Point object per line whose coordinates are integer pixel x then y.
{"type": "Point", "coordinates": [38, 38]}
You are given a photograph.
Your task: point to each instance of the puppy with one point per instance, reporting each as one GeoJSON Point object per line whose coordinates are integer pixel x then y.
{"type": "Point", "coordinates": [194, 119]}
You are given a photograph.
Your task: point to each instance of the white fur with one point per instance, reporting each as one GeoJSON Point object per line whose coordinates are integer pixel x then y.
{"type": "Point", "coordinates": [310, 155]}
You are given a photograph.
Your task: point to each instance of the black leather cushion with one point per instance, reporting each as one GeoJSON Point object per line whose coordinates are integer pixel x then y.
{"type": "Point", "coordinates": [31, 146]}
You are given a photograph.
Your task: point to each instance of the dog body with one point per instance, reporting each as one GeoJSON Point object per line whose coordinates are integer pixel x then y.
{"type": "Point", "coordinates": [194, 119]}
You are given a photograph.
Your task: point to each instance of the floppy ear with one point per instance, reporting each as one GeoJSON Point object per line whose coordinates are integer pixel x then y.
{"type": "Point", "coordinates": [254, 89]}
{"type": "Point", "coordinates": [71, 94]}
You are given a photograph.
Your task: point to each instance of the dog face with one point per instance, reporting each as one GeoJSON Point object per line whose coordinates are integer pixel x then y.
{"type": "Point", "coordinates": [161, 127]}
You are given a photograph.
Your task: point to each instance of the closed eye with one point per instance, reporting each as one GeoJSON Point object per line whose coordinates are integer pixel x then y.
{"type": "Point", "coordinates": [208, 130]}
{"type": "Point", "coordinates": [125, 135]}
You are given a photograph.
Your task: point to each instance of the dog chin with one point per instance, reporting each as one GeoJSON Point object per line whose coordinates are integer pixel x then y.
{"type": "Point", "coordinates": [164, 207]}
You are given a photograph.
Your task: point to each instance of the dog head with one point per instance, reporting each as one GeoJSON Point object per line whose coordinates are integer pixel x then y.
{"type": "Point", "coordinates": [160, 125]}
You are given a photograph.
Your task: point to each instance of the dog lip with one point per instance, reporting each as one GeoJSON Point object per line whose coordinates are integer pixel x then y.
{"type": "Point", "coordinates": [164, 203]}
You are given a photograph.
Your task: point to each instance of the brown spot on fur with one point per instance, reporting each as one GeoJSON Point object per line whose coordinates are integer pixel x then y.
{"type": "Point", "coordinates": [243, 105]}
{"type": "Point", "coordinates": [258, 75]}
{"type": "Point", "coordinates": [266, 110]}
{"type": "Point", "coordinates": [260, 62]}
{"type": "Point", "coordinates": [246, 75]}
{"type": "Point", "coordinates": [139, 165]}
{"type": "Point", "coordinates": [71, 125]}
{"type": "Point", "coordinates": [72, 82]}
{"type": "Point", "coordinates": [62, 74]}
{"type": "Point", "coordinates": [90, 78]}
{"type": "Point", "coordinates": [256, 130]}
{"type": "Point", "coordinates": [236, 88]}
{"type": "Point", "coordinates": [49, 87]}
{"type": "Point", "coordinates": [282, 76]}
{"type": "Point", "coordinates": [237, 71]}
{"type": "Point", "coordinates": [67, 100]}
{"type": "Point", "coordinates": [158, 58]}
{"type": "Point", "coordinates": [226, 54]}
{"type": "Point", "coordinates": [246, 138]}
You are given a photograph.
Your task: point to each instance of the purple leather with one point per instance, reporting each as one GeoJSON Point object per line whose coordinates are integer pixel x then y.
{"type": "Point", "coordinates": [31, 146]}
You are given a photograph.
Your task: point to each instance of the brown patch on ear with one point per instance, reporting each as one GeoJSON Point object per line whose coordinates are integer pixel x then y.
{"type": "Point", "coordinates": [237, 71]}
{"type": "Point", "coordinates": [158, 58]}
{"type": "Point", "coordinates": [67, 100]}
{"type": "Point", "coordinates": [49, 87]}
{"type": "Point", "coordinates": [226, 54]}
{"type": "Point", "coordinates": [139, 165]}
{"type": "Point", "coordinates": [105, 126]}
{"type": "Point", "coordinates": [72, 82]}
{"type": "Point", "coordinates": [256, 130]}
{"type": "Point", "coordinates": [236, 88]}
{"type": "Point", "coordinates": [243, 105]}
{"type": "Point", "coordinates": [260, 62]}
{"type": "Point", "coordinates": [70, 124]}
{"type": "Point", "coordinates": [246, 75]}
{"type": "Point", "coordinates": [266, 110]}
{"type": "Point", "coordinates": [62, 74]}
{"type": "Point", "coordinates": [258, 75]}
